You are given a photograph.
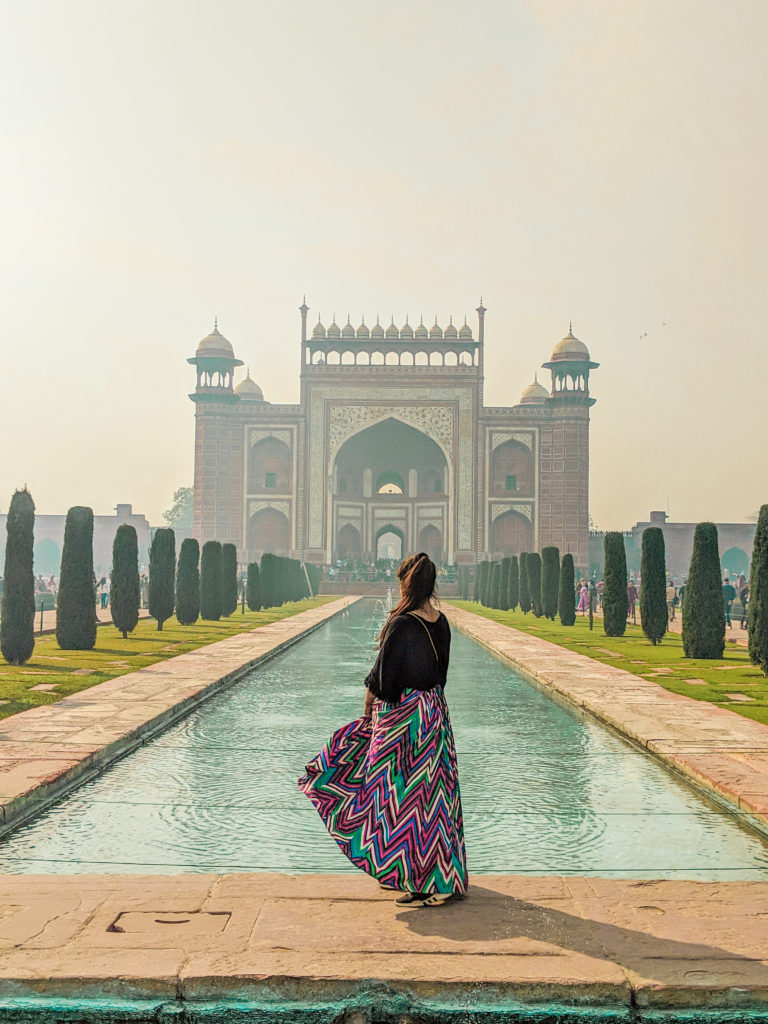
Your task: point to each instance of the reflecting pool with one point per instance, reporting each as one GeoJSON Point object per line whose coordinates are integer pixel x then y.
{"type": "Point", "coordinates": [545, 790]}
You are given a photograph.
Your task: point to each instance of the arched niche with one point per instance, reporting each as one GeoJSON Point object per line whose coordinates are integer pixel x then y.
{"type": "Point", "coordinates": [421, 359]}
{"type": "Point", "coordinates": [363, 359]}
{"type": "Point", "coordinates": [267, 533]}
{"type": "Point", "coordinates": [511, 469]}
{"type": "Point", "coordinates": [377, 358]}
{"type": "Point", "coordinates": [333, 358]}
{"type": "Point", "coordinates": [435, 358]}
{"type": "Point", "coordinates": [406, 359]}
{"type": "Point", "coordinates": [390, 543]}
{"type": "Point", "coordinates": [451, 359]}
{"type": "Point", "coordinates": [431, 541]}
{"type": "Point", "coordinates": [431, 482]}
{"type": "Point", "coordinates": [511, 534]}
{"type": "Point", "coordinates": [348, 358]}
{"type": "Point", "coordinates": [392, 359]}
{"type": "Point", "coordinates": [389, 481]}
{"type": "Point", "coordinates": [269, 470]}
{"type": "Point", "coordinates": [348, 542]}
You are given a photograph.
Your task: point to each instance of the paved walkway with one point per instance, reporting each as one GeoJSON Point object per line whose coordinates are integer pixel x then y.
{"type": "Point", "coordinates": [46, 750]}
{"type": "Point", "coordinates": [717, 750]}
{"type": "Point", "coordinates": [734, 635]}
{"type": "Point", "coordinates": [278, 940]}
{"type": "Point", "coordinates": [45, 621]}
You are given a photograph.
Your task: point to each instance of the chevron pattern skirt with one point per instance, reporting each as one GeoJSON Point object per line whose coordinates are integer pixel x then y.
{"type": "Point", "coordinates": [387, 790]}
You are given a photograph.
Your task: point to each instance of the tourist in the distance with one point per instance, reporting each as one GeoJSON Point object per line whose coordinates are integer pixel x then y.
{"type": "Point", "coordinates": [729, 596]}
{"type": "Point", "coordinates": [631, 601]}
{"type": "Point", "coordinates": [583, 605]}
{"type": "Point", "coordinates": [743, 601]}
{"type": "Point", "coordinates": [671, 600]}
{"type": "Point", "coordinates": [387, 784]}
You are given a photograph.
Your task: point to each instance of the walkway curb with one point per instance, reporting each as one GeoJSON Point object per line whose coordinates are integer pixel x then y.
{"type": "Point", "coordinates": [49, 750]}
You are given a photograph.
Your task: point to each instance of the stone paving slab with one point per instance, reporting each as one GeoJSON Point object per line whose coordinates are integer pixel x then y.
{"type": "Point", "coordinates": [716, 750]}
{"type": "Point", "coordinates": [585, 941]}
{"type": "Point", "coordinates": [47, 750]}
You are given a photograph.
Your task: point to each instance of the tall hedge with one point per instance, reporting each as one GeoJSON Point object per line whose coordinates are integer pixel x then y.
{"type": "Point", "coordinates": [513, 583]}
{"type": "Point", "coordinates": [17, 609]}
{"type": "Point", "coordinates": [566, 597]}
{"type": "Point", "coordinates": [268, 570]}
{"type": "Point", "coordinates": [253, 587]}
{"type": "Point", "coordinates": [504, 585]}
{"type": "Point", "coordinates": [525, 590]}
{"type": "Point", "coordinates": [653, 588]}
{"type": "Point", "coordinates": [550, 580]}
{"type": "Point", "coordinates": [162, 575]}
{"type": "Point", "coordinates": [315, 576]}
{"type": "Point", "coordinates": [533, 565]}
{"type": "Point", "coordinates": [476, 583]}
{"type": "Point", "coordinates": [188, 582]}
{"type": "Point", "coordinates": [228, 579]}
{"type": "Point", "coordinates": [757, 618]}
{"type": "Point", "coordinates": [124, 587]}
{"type": "Point", "coordinates": [484, 572]}
{"type": "Point", "coordinates": [615, 602]}
{"type": "Point", "coordinates": [703, 606]}
{"type": "Point", "coordinates": [495, 587]}
{"type": "Point", "coordinates": [76, 597]}
{"type": "Point", "coordinates": [210, 581]}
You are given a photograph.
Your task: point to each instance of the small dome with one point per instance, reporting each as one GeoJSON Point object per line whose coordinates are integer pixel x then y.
{"type": "Point", "coordinates": [318, 331]}
{"type": "Point", "coordinates": [377, 330]}
{"type": "Point", "coordinates": [347, 331]}
{"type": "Point", "coordinates": [363, 331]}
{"type": "Point", "coordinates": [215, 346]}
{"type": "Point", "coordinates": [333, 330]}
{"type": "Point", "coordinates": [450, 330]}
{"type": "Point", "coordinates": [248, 390]}
{"type": "Point", "coordinates": [570, 348]}
{"type": "Point", "coordinates": [465, 332]}
{"type": "Point", "coordinates": [435, 331]}
{"type": "Point", "coordinates": [406, 331]}
{"type": "Point", "coordinates": [392, 331]}
{"type": "Point", "coordinates": [534, 394]}
{"type": "Point", "coordinates": [421, 331]}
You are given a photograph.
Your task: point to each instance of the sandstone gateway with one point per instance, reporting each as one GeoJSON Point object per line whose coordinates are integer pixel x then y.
{"type": "Point", "coordinates": [392, 450]}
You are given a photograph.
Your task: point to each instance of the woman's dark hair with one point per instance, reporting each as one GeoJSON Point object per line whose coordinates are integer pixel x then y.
{"type": "Point", "coordinates": [417, 575]}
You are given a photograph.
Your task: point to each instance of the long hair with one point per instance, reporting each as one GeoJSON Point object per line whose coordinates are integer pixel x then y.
{"type": "Point", "coordinates": [417, 575]}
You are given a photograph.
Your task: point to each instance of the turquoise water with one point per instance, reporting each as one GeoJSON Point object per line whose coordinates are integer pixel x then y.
{"type": "Point", "coordinates": [545, 791]}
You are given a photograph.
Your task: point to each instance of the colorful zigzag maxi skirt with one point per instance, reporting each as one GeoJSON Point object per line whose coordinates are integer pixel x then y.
{"type": "Point", "coordinates": [387, 790]}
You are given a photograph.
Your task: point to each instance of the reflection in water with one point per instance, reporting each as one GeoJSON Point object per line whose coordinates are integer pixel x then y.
{"type": "Point", "coordinates": [544, 790]}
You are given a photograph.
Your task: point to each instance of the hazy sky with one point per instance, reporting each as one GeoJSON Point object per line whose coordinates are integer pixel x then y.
{"type": "Point", "coordinates": [595, 160]}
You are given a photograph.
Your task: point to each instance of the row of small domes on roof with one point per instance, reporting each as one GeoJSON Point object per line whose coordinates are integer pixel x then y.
{"type": "Point", "coordinates": [394, 333]}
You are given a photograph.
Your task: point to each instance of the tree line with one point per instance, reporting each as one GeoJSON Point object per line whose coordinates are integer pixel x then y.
{"type": "Point", "coordinates": [200, 585]}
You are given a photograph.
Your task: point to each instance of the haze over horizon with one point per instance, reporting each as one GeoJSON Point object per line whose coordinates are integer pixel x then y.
{"type": "Point", "coordinates": [596, 162]}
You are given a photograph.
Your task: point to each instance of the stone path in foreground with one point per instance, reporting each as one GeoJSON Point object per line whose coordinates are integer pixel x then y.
{"type": "Point", "coordinates": [330, 938]}
{"type": "Point", "coordinates": [45, 750]}
{"type": "Point", "coordinates": [715, 749]}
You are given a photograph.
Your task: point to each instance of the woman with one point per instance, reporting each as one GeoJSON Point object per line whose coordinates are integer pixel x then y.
{"type": "Point", "coordinates": [386, 785]}
{"type": "Point", "coordinates": [583, 599]}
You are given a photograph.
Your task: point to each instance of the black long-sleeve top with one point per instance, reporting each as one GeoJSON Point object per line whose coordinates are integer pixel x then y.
{"type": "Point", "coordinates": [407, 659]}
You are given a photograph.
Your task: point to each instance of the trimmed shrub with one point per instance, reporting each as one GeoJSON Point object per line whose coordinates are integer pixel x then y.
{"type": "Point", "coordinates": [228, 579]}
{"type": "Point", "coordinates": [566, 602]}
{"type": "Point", "coordinates": [210, 581]}
{"type": "Point", "coordinates": [495, 589]}
{"type": "Point", "coordinates": [615, 602]}
{"type": "Point", "coordinates": [550, 581]}
{"type": "Point", "coordinates": [533, 565]}
{"type": "Point", "coordinates": [513, 584]}
{"type": "Point", "coordinates": [315, 576]}
{"type": "Point", "coordinates": [253, 588]}
{"type": "Point", "coordinates": [504, 585]}
{"type": "Point", "coordinates": [162, 574]}
{"type": "Point", "coordinates": [188, 582]}
{"type": "Point", "coordinates": [268, 580]}
{"type": "Point", "coordinates": [653, 590]}
{"type": "Point", "coordinates": [703, 606]}
{"type": "Point", "coordinates": [124, 580]}
{"type": "Point", "coordinates": [484, 573]}
{"type": "Point", "coordinates": [525, 590]}
{"type": "Point", "coordinates": [757, 615]}
{"type": "Point", "coordinates": [76, 597]}
{"type": "Point", "coordinates": [476, 584]}
{"type": "Point", "coordinates": [17, 610]}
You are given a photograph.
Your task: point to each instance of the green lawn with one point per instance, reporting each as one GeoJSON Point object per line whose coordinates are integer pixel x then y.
{"type": "Point", "coordinates": [72, 671]}
{"type": "Point", "coordinates": [664, 664]}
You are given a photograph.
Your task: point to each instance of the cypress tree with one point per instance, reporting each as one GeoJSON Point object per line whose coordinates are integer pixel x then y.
{"type": "Point", "coordinates": [566, 604]}
{"type": "Point", "coordinates": [124, 588]}
{"type": "Point", "coordinates": [525, 590]}
{"type": "Point", "coordinates": [162, 573]}
{"type": "Point", "coordinates": [757, 616]}
{"type": "Point", "coordinates": [533, 565]}
{"type": "Point", "coordinates": [253, 587]}
{"type": "Point", "coordinates": [228, 579]}
{"type": "Point", "coordinates": [550, 581]}
{"type": "Point", "coordinates": [476, 584]}
{"type": "Point", "coordinates": [188, 582]}
{"type": "Point", "coordinates": [703, 607]}
{"type": "Point", "coordinates": [495, 589]}
{"type": "Point", "coordinates": [484, 569]}
{"type": "Point", "coordinates": [17, 610]}
{"type": "Point", "coordinates": [653, 589]}
{"type": "Point", "coordinates": [513, 584]}
{"type": "Point", "coordinates": [210, 581]}
{"type": "Point", "coordinates": [615, 603]}
{"type": "Point", "coordinates": [76, 597]}
{"type": "Point", "coordinates": [268, 581]}
{"type": "Point", "coordinates": [504, 584]}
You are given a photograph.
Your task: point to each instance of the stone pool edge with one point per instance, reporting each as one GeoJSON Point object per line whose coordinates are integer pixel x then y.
{"type": "Point", "coordinates": [721, 754]}
{"type": "Point", "coordinates": [49, 750]}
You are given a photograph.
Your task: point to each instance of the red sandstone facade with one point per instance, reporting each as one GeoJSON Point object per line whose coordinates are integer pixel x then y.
{"type": "Point", "coordinates": [392, 450]}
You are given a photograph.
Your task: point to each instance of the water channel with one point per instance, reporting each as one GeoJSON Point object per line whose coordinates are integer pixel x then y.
{"type": "Point", "coordinates": [545, 790]}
